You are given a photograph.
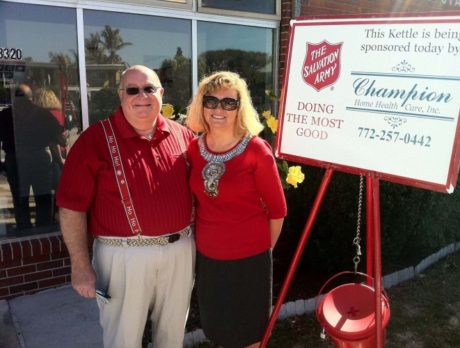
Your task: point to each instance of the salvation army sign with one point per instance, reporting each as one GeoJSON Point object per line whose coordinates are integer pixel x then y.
{"type": "Point", "coordinates": [375, 95]}
{"type": "Point", "coordinates": [322, 64]}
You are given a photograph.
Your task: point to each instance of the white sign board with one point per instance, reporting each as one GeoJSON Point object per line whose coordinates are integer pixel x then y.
{"type": "Point", "coordinates": [375, 95]}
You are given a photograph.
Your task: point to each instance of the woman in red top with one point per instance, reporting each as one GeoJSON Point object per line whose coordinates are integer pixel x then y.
{"type": "Point", "coordinates": [240, 208]}
{"type": "Point", "coordinates": [47, 99]}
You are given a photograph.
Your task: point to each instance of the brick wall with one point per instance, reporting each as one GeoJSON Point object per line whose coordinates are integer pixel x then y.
{"type": "Point", "coordinates": [331, 7]}
{"type": "Point", "coordinates": [32, 264]}
{"type": "Point", "coordinates": [286, 16]}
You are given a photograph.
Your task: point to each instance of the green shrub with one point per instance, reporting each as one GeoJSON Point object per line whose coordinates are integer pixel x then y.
{"type": "Point", "coordinates": [414, 222]}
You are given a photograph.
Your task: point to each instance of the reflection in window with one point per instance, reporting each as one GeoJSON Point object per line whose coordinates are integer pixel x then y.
{"type": "Point", "coordinates": [245, 50]}
{"type": "Point", "coordinates": [257, 6]}
{"type": "Point", "coordinates": [115, 41]}
{"type": "Point", "coordinates": [39, 98]}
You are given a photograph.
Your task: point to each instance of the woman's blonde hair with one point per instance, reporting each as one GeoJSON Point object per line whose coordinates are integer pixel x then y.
{"type": "Point", "coordinates": [247, 121]}
{"type": "Point", "coordinates": [46, 98]}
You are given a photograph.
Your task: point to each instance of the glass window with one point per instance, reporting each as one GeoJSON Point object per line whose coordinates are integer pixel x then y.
{"type": "Point", "coordinates": [184, 4]}
{"type": "Point", "coordinates": [257, 6]}
{"type": "Point", "coordinates": [250, 55]}
{"type": "Point", "coordinates": [115, 41]}
{"type": "Point", "coordinates": [39, 99]}
{"type": "Point", "coordinates": [179, 1]}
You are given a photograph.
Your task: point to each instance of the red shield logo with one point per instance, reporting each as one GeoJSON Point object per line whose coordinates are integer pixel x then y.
{"type": "Point", "coordinates": [321, 67]}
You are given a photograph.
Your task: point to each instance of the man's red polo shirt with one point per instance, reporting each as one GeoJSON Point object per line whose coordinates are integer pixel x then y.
{"type": "Point", "coordinates": [156, 172]}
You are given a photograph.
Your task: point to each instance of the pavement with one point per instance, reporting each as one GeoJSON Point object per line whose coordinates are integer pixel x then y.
{"type": "Point", "coordinates": [53, 318]}
{"type": "Point", "coordinates": [57, 318]}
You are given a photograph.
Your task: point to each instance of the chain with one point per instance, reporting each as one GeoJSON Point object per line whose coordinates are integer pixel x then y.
{"type": "Point", "coordinates": [357, 239]}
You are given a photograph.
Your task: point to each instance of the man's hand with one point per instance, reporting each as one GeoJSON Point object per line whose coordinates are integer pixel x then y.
{"type": "Point", "coordinates": [73, 227]}
{"type": "Point", "coordinates": [84, 281]}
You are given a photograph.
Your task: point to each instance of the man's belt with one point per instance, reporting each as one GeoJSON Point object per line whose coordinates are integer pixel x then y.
{"type": "Point", "coordinates": [142, 241]}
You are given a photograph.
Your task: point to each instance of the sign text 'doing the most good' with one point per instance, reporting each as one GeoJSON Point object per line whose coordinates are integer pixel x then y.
{"type": "Point", "coordinates": [375, 95]}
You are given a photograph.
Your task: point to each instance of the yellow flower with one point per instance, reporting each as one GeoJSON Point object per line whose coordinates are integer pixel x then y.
{"type": "Point", "coordinates": [272, 123]}
{"type": "Point", "coordinates": [295, 176]}
{"type": "Point", "coordinates": [167, 110]}
{"type": "Point", "coordinates": [267, 114]}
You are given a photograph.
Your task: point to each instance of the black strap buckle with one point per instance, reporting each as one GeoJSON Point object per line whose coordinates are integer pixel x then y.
{"type": "Point", "coordinates": [173, 238]}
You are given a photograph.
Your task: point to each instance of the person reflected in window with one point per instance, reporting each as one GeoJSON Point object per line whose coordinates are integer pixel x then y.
{"type": "Point", "coordinates": [47, 99]}
{"type": "Point", "coordinates": [240, 208]}
{"type": "Point", "coordinates": [27, 131]}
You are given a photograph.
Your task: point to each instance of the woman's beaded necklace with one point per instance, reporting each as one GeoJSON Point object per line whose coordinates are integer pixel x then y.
{"type": "Point", "coordinates": [215, 168]}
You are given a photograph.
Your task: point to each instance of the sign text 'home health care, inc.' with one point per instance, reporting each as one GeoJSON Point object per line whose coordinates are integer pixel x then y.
{"type": "Point", "coordinates": [375, 95]}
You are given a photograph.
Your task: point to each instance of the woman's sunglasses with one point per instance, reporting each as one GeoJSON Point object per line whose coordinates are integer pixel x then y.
{"type": "Point", "coordinates": [229, 104]}
{"type": "Point", "coordinates": [136, 90]}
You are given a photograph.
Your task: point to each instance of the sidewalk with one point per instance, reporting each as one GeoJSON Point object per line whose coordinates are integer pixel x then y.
{"type": "Point", "coordinates": [59, 318]}
{"type": "Point", "coordinates": [56, 318]}
{"type": "Point", "coordinates": [52, 318]}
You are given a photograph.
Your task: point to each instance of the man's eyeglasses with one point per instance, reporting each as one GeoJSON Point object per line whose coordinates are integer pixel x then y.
{"type": "Point", "coordinates": [229, 104]}
{"type": "Point", "coordinates": [136, 90]}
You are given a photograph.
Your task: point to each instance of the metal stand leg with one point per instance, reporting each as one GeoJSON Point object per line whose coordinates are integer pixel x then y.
{"type": "Point", "coordinates": [298, 253]}
{"type": "Point", "coordinates": [377, 261]}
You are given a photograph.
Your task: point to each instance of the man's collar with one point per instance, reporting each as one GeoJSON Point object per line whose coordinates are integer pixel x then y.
{"type": "Point", "coordinates": [162, 125]}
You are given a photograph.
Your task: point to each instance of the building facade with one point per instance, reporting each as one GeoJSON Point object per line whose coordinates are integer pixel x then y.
{"type": "Point", "coordinates": [76, 50]}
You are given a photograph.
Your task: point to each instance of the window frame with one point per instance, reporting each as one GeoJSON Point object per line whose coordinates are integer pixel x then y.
{"type": "Point", "coordinates": [172, 4]}
{"type": "Point", "coordinates": [195, 17]}
{"type": "Point", "coordinates": [137, 7]}
{"type": "Point", "coordinates": [154, 10]}
{"type": "Point", "coordinates": [209, 10]}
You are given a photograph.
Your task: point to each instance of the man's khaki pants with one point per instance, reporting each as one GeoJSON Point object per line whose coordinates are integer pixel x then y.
{"type": "Point", "coordinates": [139, 279]}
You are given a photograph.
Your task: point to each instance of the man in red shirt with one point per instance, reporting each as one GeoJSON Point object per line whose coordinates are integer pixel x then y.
{"type": "Point", "coordinates": [135, 201]}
